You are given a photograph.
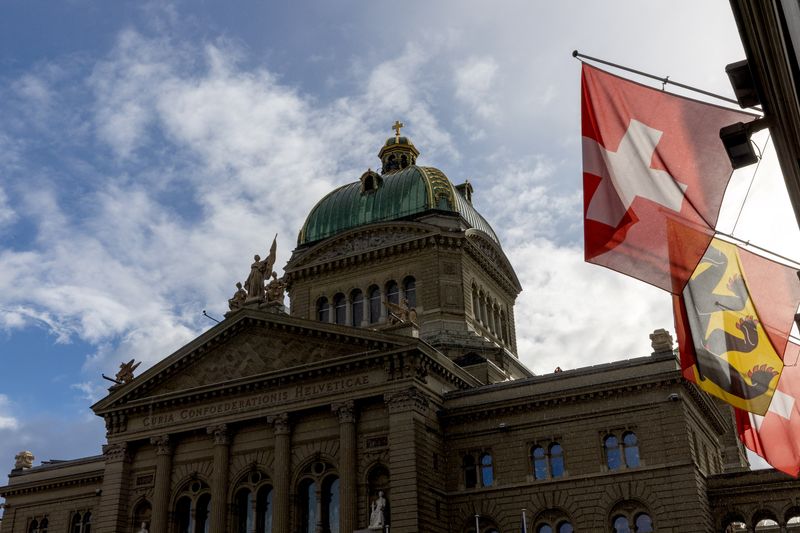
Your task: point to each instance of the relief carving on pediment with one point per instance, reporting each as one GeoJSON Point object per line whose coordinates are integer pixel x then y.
{"type": "Point", "coordinates": [251, 352]}
{"type": "Point", "coordinates": [364, 242]}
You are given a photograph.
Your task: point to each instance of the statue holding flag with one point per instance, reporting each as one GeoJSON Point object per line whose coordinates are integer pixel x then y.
{"type": "Point", "coordinates": [259, 272]}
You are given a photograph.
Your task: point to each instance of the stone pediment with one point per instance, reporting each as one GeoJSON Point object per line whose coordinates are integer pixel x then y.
{"type": "Point", "coordinates": [250, 343]}
{"type": "Point", "coordinates": [361, 240]}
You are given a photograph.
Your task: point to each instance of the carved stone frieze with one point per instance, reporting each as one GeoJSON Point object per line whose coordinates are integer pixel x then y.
{"type": "Point", "coordinates": [406, 400]}
{"type": "Point", "coordinates": [116, 423]}
{"type": "Point", "coordinates": [252, 351]}
{"type": "Point", "coordinates": [364, 242]}
{"type": "Point", "coordinates": [116, 452]}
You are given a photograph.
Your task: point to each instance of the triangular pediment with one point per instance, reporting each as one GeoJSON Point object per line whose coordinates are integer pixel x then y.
{"type": "Point", "coordinates": [248, 344]}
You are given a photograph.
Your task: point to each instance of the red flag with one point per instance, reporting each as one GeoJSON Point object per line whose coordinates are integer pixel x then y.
{"type": "Point", "coordinates": [733, 321]}
{"type": "Point", "coordinates": [776, 435]}
{"type": "Point", "coordinates": [652, 162]}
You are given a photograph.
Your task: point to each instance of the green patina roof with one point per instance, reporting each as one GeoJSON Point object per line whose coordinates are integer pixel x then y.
{"type": "Point", "coordinates": [402, 194]}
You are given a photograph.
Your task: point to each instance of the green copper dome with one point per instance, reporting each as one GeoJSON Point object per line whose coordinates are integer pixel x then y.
{"type": "Point", "coordinates": [393, 196]}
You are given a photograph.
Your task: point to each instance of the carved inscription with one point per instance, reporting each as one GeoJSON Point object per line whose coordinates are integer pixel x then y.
{"type": "Point", "coordinates": [260, 401]}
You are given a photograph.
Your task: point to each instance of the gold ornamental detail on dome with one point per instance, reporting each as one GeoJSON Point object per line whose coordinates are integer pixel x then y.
{"type": "Point", "coordinates": [440, 189]}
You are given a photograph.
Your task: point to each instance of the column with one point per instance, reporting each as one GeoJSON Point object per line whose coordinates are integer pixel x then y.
{"type": "Point", "coordinates": [348, 500]}
{"type": "Point", "coordinates": [403, 406]}
{"type": "Point", "coordinates": [219, 480]}
{"type": "Point", "coordinates": [281, 471]}
{"type": "Point", "coordinates": [113, 514]}
{"type": "Point", "coordinates": [161, 492]}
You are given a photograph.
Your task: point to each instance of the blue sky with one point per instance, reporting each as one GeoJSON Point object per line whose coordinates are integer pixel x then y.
{"type": "Point", "coordinates": [148, 150]}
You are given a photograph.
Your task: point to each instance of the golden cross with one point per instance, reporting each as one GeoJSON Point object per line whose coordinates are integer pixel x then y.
{"type": "Point", "coordinates": [396, 127]}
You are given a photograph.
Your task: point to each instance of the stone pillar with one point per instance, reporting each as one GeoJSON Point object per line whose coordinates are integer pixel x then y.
{"type": "Point", "coordinates": [403, 406]}
{"type": "Point", "coordinates": [161, 490]}
{"type": "Point", "coordinates": [348, 500]}
{"type": "Point", "coordinates": [282, 471]}
{"type": "Point", "coordinates": [219, 480]}
{"type": "Point", "coordinates": [113, 514]}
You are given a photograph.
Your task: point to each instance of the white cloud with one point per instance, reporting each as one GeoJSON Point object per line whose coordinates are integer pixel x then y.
{"type": "Point", "coordinates": [475, 86]}
{"type": "Point", "coordinates": [7, 420]}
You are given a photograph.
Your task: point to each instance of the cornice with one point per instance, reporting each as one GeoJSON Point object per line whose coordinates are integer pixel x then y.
{"type": "Point", "coordinates": [507, 406]}
{"type": "Point", "coordinates": [86, 478]}
{"type": "Point", "coordinates": [244, 318]}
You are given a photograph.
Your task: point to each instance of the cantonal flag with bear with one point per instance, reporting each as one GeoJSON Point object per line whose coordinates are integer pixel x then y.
{"type": "Point", "coordinates": [654, 173]}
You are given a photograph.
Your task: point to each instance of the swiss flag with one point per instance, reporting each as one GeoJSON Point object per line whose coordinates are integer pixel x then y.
{"type": "Point", "coordinates": [776, 435]}
{"type": "Point", "coordinates": [654, 174]}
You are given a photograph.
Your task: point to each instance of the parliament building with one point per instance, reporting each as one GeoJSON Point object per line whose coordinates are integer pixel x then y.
{"type": "Point", "coordinates": [389, 396]}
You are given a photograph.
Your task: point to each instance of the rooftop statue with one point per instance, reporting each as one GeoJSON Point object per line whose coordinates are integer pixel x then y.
{"type": "Point", "coordinates": [239, 297]}
{"type": "Point", "coordinates": [402, 313]}
{"type": "Point", "coordinates": [23, 459]}
{"type": "Point", "coordinates": [259, 272]}
{"type": "Point", "coordinates": [275, 289]}
{"type": "Point", "coordinates": [125, 373]}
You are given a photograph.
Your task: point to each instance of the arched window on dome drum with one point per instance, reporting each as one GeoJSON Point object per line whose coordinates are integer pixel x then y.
{"type": "Point", "coordinates": [482, 305]}
{"type": "Point", "coordinates": [357, 308]}
{"type": "Point", "coordinates": [340, 309]}
{"type": "Point", "coordinates": [544, 528]}
{"type": "Point", "coordinates": [503, 327]}
{"type": "Point", "coordinates": [410, 291]}
{"type": "Point", "coordinates": [323, 310]}
{"type": "Point", "coordinates": [393, 292]}
{"type": "Point", "coordinates": [374, 294]}
{"type": "Point", "coordinates": [476, 312]}
{"type": "Point", "coordinates": [613, 456]}
{"type": "Point", "coordinates": [539, 459]}
{"type": "Point", "coordinates": [630, 446]}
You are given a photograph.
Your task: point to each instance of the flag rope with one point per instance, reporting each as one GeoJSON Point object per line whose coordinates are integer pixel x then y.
{"type": "Point", "coordinates": [788, 261]}
{"type": "Point", "coordinates": [663, 80]}
{"type": "Point", "coordinates": [752, 180]}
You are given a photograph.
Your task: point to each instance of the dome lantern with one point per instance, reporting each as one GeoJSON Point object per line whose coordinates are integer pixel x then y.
{"type": "Point", "coordinates": [397, 152]}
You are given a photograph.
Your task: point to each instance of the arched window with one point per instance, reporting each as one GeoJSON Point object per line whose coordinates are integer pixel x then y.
{"type": "Point", "coordinates": [76, 525]}
{"type": "Point", "coordinates": [766, 524]}
{"type": "Point", "coordinates": [308, 506]}
{"type": "Point", "coordinates": [393, 292]}
{"type": "Point", "coordinates": [503, 327]}
{"type": "Point", "coordinates": [357, 309]}
{"type": "Point", "coordinates": [340, 309]}
{"type": "Point", "coordinates": [193, 508]}
{"type": "Point", "coordinates": [264, 510]}
{"type": "Point", "coordinates": [410, 291]}
{"type": "Point", "coordinates": [470, 472]}
{"type": "Point", "coordinates": [476, 311]}
{"type": "Point", "coordinates": [644, 524]}
{"type": "Point", "coordinates": [34, 526]}
{"type": "Point", "coordinates": [556, 460]}
{"type": "Point", "coordinates": [539, 458]}
{"type": "Point", "coordinates": [487, 470]}
{"type": "Point", "coordinates": [565, 527]}
{"type": "Point", "coordinates": [253, 504]}
{"type": "Point", "coordinates": [330, 505]}
{"type": "Point", "coordinates": [323, 310]}
{"type": "Point", "coordinates": [544, 528]}
{"type": "Point", "coordinates": [613, 456]}
{"type": "Point", "coordinates": [43, 525]}
{"type": "Point", "coordinates": [620, 524]}
{"type": "Point", "coordinates": [793, 523]}
{"type": "Point", "coordinates": [374, 304]}
{"type": "Point", "coordinates": [631, 447]}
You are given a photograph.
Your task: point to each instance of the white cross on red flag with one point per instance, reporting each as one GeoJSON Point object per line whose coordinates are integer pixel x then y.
{"type": "Point", "coordinates": [776, 435]}
{"type": "Point", "coordinates": [654, 174]}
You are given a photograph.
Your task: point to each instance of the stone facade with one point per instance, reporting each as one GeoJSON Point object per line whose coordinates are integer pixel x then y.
{"type": "Point", "coordinates": [296, 422]}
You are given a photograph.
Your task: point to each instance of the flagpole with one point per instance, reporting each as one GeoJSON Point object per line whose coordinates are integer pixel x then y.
{"type": "Point", "coordinates": [477, 524]}
{"type": "Point", "coordinates": [524, 522]}
{"type": "Point", "coordinates": [794, 263]}
{"type": "Point", "coordinates": [664, 81]}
